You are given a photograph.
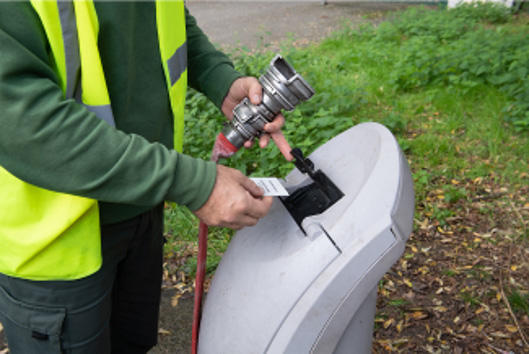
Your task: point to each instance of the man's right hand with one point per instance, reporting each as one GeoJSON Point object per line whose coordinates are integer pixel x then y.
{"type": "Point", "coordinates": [236, 201]}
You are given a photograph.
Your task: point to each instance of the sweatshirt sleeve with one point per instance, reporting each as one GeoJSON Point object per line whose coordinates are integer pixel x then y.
{"type": "Point", "coordinates": [210, 71]}
{"type": "Point", "coordinates": [57, 144]}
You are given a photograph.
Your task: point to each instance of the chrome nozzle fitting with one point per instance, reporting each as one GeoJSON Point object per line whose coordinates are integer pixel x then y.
{"type": "Point", "coordinates": [283, 88]}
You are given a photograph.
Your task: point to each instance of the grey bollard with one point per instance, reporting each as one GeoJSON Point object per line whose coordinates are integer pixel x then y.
{"type": "Point", "coordinates": [310, 287]}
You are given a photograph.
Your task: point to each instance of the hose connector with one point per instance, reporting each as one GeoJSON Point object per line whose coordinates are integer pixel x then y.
{"type": "Point", "coordinates": [283, 88]}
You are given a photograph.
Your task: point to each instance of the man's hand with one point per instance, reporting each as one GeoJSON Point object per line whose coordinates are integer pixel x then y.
{"type": "Point", "coordinates": [236, 201]}
{"type": "Point", "coordinates": [251, 88]}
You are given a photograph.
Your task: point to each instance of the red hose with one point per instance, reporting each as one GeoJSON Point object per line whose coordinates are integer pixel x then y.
{"type": "Point", "coordinates": [199, 282]}
{"type": "Point", "coordinates": [222, 149]}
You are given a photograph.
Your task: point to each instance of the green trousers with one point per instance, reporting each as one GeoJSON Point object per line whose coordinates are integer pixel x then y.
{"type": "Point", "coordinates": [114, 310]}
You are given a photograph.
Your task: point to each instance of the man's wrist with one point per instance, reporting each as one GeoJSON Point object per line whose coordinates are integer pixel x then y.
{"type": "Point", "coordinates": [193, 183]}
{"type": "Point", "coordinates": [224, 77]}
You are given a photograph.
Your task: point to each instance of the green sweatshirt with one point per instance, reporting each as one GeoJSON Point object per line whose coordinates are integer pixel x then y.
{"type": "Point", "coordinates": [59, 145]}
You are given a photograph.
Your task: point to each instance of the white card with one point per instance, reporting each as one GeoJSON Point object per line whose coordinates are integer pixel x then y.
{"type": "Point", "coordinates": [270, 185]}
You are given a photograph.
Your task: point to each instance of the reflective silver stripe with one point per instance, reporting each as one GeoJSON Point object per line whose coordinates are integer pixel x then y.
{"type": "Point", "coordinates": [73, 61]}
{"type": "Point", "coordinates": [71, 45]}
{"type": "Point", "coordinates": [103, 112]}
{"type": "Point", "coordinates": [177, 63]}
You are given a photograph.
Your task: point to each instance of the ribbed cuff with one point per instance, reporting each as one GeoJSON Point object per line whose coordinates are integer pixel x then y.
{"type": "Point", "coordinates": [193, 183]}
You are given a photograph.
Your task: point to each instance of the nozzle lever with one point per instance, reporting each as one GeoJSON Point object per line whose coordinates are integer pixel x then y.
{"type": "Point", "coordinates": [304, 165]}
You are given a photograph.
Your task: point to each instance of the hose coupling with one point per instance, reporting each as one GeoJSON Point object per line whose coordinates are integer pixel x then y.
{"type": "Point", "coordinates": [283, 88]}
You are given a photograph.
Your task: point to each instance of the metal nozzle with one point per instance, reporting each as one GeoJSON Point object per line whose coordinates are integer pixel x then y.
{"type": "Point", "coordinates": [283, 88]}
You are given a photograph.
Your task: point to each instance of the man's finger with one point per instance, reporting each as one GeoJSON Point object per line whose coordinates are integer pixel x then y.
{"type": "Point", "coordinates": [282, 144]}
{"type": "Point", "coordinates": [264, 140]}
{"type": "Point", "coordinates": [259, 208]}
{"type": "Point", "coordinates": [248, 144]}
{"type": "Point", "coordinates": [252, 188]}
{"type": "Point", "coordinates": [254, 90]}
{"type": "Point", "coordinates": [275, 125]}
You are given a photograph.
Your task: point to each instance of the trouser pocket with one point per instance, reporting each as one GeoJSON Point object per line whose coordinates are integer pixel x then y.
{"type": "Point", "coordinates": [30, 329]}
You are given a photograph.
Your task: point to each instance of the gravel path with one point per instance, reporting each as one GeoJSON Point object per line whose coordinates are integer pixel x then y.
{"type": "Point", "coordinates": [254, 24]}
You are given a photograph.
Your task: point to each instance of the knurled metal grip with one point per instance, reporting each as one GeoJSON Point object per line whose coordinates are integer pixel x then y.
{"type": "Point", "coordinates": [283, 88]}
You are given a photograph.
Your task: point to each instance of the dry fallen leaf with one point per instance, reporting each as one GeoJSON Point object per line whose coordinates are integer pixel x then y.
{"type": "Point", "coordinates": [399, 326]}
{"type": "Point", "coordinates": [174, 300]}
{"type": "Point", "coordinates": [511, 328]}
{"type": "Point", "coordinates": [429, 348]}
{"type": "Point", "coordinates": [385, 343]}
{"type": "Point", "coordinates": [163, 331]}
{"type": "Point", "coordinates": [419, 315]}
{"type": "Point", "coordinates": [498, 296]}
{"type": "Point", "coordinates": [388, 323]}
{"type": "Point", "coordinates": [499, 334]}
{"type": "Point", "coordinates": [440, 309]}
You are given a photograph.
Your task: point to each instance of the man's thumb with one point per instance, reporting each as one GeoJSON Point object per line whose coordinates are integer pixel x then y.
{"type": "Point", "coordinates": [254, 90]}
{"type": "Point", "coordinates": [252, 188]}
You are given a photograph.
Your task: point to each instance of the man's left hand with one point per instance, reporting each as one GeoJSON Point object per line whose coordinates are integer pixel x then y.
{"type": "Point", "coordinates": [251, 88]}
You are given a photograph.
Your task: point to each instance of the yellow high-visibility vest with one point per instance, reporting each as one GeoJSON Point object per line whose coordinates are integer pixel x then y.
{"type": "Point", "coordinates": [46, 235]}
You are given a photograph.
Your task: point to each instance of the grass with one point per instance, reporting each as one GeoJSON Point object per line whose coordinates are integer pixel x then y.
{"type": "Point", "coordinates": [453, 86]}
{"type": "Point", "coordinates": [519, 302]}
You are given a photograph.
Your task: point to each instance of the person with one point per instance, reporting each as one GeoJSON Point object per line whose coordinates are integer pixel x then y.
{"type": "Point", "coordinates": [91, 97]}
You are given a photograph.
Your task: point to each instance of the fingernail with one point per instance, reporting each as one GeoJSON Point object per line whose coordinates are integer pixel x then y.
{"type": "Point", "coordinates": [256, 98]}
